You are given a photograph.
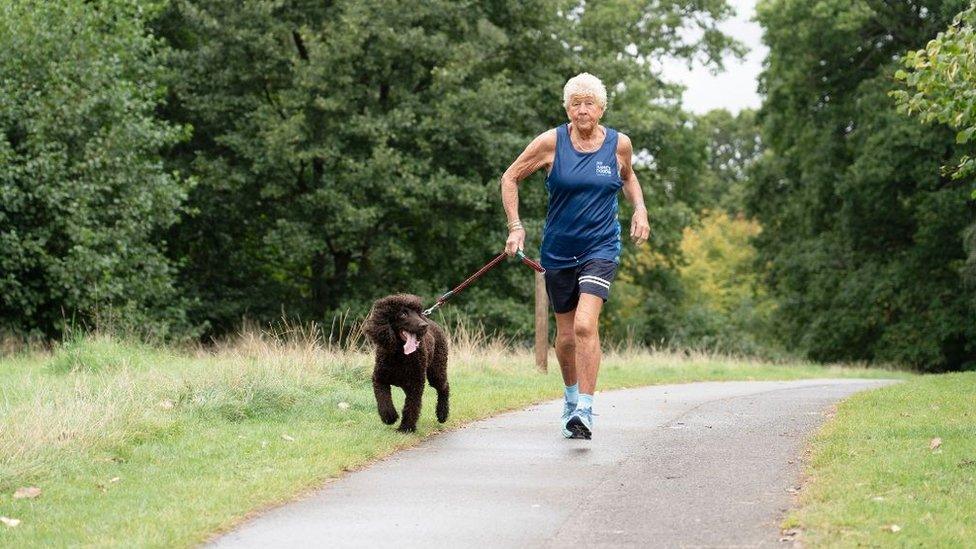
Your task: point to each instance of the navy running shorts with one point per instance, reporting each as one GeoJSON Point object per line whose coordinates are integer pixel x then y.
{"type": "Point", "coordinates": [593, 276]}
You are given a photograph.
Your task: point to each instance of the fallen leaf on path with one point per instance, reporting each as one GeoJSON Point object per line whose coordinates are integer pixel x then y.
{"type": "Point", "coordinates": [936, 442]}
{"type": "Point", "coordinates": [28, 492]}
{"type": "Point", "coordinates": [288, 438]}
{"type": "Point", "coordinates": [10, 522]}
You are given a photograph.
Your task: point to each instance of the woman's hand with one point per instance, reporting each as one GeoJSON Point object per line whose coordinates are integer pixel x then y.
{"type": "Point", "coordinates": [515, 242]}
{"type": "Point", "coordinates": [640, 230]}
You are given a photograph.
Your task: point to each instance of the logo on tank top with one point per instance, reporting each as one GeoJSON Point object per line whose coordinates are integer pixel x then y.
{"type": "Point", "coordinates": [602, 169]}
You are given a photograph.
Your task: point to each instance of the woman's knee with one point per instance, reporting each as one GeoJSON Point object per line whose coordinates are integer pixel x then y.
{"type": "Point", "coordinates": [565, 340]}
{"type": "Point", "coordinates": [584, 330]}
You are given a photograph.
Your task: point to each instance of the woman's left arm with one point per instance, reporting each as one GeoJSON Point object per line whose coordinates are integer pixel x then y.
{"type": "Point", "coordinates": [640, 230]}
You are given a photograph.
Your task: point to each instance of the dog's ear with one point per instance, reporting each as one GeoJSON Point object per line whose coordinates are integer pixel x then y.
{"type": "Point", "coordinates": [377, 326]}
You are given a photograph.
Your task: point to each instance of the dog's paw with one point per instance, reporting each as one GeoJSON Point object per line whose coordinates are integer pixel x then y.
{"type": "Point", "coordinates": [441, 414]}
{"type": "Point", "coordinates": [406, 429]}
{"type": "Point", "coordinates": [389, 418]}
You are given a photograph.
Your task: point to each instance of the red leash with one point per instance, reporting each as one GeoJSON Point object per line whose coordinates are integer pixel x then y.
{"type": "Point", "coordinates": [498, 259]}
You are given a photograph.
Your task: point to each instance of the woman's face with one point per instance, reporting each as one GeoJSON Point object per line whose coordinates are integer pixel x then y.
{"type": "Point", "coordinates": [584, 111]}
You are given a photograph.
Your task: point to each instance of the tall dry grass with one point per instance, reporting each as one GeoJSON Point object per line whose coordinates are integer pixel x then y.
{"type": "Point", "coordinates": [97, 391]}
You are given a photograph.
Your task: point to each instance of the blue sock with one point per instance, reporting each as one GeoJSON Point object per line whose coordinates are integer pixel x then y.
{"type": "Point", "coordinates": [572, 393]}
{"type": "Point", "coordinates": [585, 401]}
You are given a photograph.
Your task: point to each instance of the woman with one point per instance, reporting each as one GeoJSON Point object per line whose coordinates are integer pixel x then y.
{"type": "Point", "coordinates": [586, 164]}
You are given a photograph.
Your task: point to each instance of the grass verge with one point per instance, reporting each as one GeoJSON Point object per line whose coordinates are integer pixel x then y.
{"type": "Point", "coordinates": [879, 477]}
{"type": "Point", "coordinates": [144, 446]}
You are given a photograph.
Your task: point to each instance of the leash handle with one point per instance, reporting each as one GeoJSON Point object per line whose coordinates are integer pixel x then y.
{"type": "Point", "coordinates": [531, 263]}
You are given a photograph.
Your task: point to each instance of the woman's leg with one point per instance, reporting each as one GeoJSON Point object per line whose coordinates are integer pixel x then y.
{"type": "Point", "coordinates": [587, 339]}
{"type": "Point", "coordinates": [566, 346]}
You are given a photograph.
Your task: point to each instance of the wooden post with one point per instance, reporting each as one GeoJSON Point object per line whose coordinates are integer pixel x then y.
{"type": "Point", "coordinates": [541, 323]}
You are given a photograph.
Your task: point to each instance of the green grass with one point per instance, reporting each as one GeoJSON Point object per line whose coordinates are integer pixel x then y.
{"type": "Point", "coordinates": [873, 467]}
{"type": "Point", "coordinates": [142, 446]}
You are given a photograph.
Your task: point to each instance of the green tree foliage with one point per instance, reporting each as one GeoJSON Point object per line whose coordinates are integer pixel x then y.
{"type": "Point", "coordinates": [83, 193]}
{"type": "Point", "coordinates": [861, 233]}
{"type": "Point", "coordinates": [724, 306]}
{"type": "Point", "coordinates": [350, 149]}
{"type": "Point", "coordinates": [943, 75]}
{"type": "Point", "coordinates": [732, 147]}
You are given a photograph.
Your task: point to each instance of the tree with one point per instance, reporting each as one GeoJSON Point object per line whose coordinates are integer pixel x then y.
{"type": "Point", "coordinates": [861, 238]}
{"type": "Point", "coordinates": [83, 193]}
{"type": "Point", "coordinates": [725, 307]}
{"type": "Point", "coordinates": [733, 145]}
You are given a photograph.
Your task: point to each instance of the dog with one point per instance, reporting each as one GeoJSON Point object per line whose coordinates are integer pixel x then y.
{"type": "Point", "coordinates": [410, 349]}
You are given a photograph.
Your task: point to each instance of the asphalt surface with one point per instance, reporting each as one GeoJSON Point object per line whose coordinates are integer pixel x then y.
{"type": "Point", "coordinates": [694, 465]}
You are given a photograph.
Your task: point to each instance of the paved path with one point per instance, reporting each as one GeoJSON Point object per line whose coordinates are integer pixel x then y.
{"type": "Point", "coordinates": [701, 464]}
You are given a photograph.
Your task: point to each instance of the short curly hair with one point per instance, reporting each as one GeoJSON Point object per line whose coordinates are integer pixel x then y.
{"type": "Point", "coordinates": [585, 83]}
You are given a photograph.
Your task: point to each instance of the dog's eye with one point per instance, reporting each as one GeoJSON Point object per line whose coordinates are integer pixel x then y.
{"type": "Point", "coordinates": [403, 314]}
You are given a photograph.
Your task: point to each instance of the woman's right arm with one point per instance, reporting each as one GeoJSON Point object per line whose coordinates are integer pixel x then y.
{"type": "Point", "coordinates": [539, 154]}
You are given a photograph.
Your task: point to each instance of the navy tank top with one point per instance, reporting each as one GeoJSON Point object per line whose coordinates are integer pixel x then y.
{"type": "Point", "coordinates": [581, 223]}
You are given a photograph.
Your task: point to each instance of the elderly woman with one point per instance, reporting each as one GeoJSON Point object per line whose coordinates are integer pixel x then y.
{"type": "Point", "coordinates": [586, 165]}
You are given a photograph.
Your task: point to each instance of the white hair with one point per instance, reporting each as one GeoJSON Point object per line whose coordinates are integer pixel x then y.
{"type": "Point", "coordinates": [585, 83]}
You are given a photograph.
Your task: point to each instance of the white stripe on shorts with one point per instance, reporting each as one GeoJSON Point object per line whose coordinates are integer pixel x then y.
{"type": "Point", "coordinates": [594, 280]}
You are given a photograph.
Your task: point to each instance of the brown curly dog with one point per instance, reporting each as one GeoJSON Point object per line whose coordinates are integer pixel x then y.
{"type": "Point", "coordinates": [409, 349]}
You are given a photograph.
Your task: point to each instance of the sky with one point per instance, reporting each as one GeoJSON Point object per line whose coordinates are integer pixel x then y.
{"type": "Point", "coordinates": [734, 88]}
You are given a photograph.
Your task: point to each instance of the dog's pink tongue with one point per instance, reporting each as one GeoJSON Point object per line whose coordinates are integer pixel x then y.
{"type": "Point", "coordinates": [411, 344]}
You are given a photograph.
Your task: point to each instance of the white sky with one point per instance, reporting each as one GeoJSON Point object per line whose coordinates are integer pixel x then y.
{"type": "Point", "coordinates": [735, 87]}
